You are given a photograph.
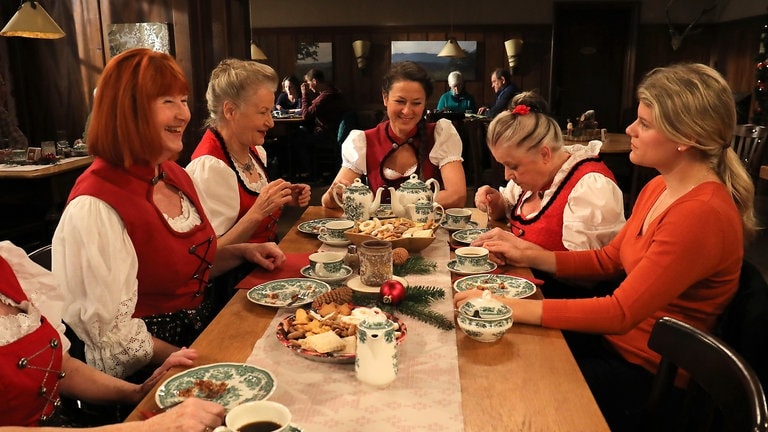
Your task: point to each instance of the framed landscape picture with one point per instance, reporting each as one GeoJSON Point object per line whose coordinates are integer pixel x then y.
{"type": "Point", "coordinates": [425, 54]}
{"type": "Point", "coordinates": [317, 55]}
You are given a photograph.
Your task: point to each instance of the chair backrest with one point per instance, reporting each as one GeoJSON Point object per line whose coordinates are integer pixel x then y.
{"type": "Point", "coordinates": [723, 388]}
{"type": "Point", "coordinates": [744, 323]}
{"type": "Point", "coordinates": [748, 143]}
{"type": "Point", "coordinates": [348, 122]}
{"type": "Point", "coordinates": [42, 257]}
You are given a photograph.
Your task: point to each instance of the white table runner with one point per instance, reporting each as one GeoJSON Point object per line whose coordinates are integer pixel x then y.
{"type": "Point", "coordinates": [425, 396]}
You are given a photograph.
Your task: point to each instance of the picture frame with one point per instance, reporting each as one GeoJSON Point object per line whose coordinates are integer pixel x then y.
{"type": "Point", "coordinates": [156, 36]}
{"type": "Point", "coordinates": [33, 154]}
{"type": "Point", "coordinates": [425, 54]}
{"type": "Point", "coordinates": [314, 55]}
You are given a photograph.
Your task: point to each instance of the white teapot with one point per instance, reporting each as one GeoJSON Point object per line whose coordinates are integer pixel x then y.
{"type": "Point", "coordinates": [410, 191]}
{"type": "Point", "coordinates": [358, 202]}
{"type": "Point", "coordinates": [376, 360]}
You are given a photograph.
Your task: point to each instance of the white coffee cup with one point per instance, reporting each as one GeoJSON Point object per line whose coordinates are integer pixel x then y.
{"type": "Point", "coordinates": [457, 217]}
{"type": "Point", "coordinates": [472, 258]}
{"type": "Point", "coordinates": [334, 230]}
{"type": "Point", "coordinates": [326, 264]}
{"type": "Point", "coordinates": [254, 412]}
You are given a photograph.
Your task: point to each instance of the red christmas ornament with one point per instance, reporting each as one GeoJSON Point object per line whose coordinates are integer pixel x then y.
{"type": "Point", "coordinates": [392, 292]}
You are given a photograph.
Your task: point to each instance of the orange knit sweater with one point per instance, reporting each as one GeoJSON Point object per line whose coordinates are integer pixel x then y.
{"type": "Point", "coordinates": [686, 265]}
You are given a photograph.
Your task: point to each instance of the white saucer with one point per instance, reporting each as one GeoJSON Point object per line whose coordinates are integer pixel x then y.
{"type": "Point", "coordinates": [491, 266]}
{"type": "Point", "coordinates": [307, 271]}
{"type": "Point", "coordinates": [324, 238]}
{"type": "Point", "coordinates": [357, 285]}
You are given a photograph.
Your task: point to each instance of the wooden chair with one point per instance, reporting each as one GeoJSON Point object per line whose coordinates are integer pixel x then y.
{"type": "Point", "coordinates": [724, 393]}
{"type": "Point", "coordinates": [748, 143]}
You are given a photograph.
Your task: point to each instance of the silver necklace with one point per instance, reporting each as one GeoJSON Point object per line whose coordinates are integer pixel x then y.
{"type": "Point", "coordinates": [247, 167]}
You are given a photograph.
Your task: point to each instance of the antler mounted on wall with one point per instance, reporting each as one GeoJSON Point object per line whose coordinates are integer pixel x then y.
{"type": "Point", "coordinates": [677, 38]}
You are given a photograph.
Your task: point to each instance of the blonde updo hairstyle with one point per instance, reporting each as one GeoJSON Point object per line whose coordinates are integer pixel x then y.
{"type": "Point", "coordinates": [527, 131]}
{"type": "Point", "coordinates": [233, 80]}
{"type": "Point", "coordinates": [692, 104]}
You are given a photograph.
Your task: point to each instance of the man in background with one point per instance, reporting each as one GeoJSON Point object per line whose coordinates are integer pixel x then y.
{"type": "Point", "coordinates": [501, 82]}
{"type": "Point", "coordinates": [322, 106]}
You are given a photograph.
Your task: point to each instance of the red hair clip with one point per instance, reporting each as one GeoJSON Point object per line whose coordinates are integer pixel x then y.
{"type": "Point", "coordinates": [521, 109]}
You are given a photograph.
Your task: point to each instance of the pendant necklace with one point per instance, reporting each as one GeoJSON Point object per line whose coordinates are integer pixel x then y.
{"type": "Point", "coordinates": [247, 167]}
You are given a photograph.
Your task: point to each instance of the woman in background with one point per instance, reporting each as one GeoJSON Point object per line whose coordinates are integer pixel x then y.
{"type": "Point", "coordinates": [456, 99]}
{"type": "Point", "coordinates": [404, 144]}
{"type": "Point", "coordinates": [290, 98]}
{"type": "Point", "coordinates": [701, 202]}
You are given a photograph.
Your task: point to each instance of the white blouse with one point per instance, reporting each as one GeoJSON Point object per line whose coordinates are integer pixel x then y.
{"type": "Point", "coordinates": [447, 148]}
{"type": "Point", "coordinates": [45, 298]}
{"type": "Point", "coordinates": [95, 263]}
{"type": "Point", "coordinates": [219, 192]}
{"type": "Point", "coordinates": [594, 213]}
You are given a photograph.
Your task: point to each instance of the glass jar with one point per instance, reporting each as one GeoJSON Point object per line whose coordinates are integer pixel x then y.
{"type": "Point", "coordinates": [352, 259]}
{"type": "Point", "coordinates": [375, 262]}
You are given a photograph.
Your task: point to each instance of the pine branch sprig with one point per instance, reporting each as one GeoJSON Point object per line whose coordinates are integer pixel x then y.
{"type": "Point", "coordinates": [415, 264]}
{"type": "Point", "coordinates": [415, 304]}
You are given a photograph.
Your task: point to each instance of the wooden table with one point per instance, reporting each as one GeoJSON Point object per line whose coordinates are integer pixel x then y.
{"type": "Point", "coordinates": [33, 197]}
{"type": "Point", "coordinates": [39, 171]}
{"type": "Point", "coordinates": [616, 143]}
{"type": "Point", "coordinates": [527, 381]}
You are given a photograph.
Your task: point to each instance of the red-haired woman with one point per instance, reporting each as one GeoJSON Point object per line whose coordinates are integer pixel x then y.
{"type": "Point", "coordinates": [134, 249]}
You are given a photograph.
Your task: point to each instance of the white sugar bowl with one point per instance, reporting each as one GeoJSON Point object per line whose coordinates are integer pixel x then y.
{"type": "Point", "coordinates": [484, 318]}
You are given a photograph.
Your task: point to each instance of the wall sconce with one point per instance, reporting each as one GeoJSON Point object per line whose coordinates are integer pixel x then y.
{"type": "Point", "coordinates": [256, 52]}
{"type": "Point", "coordinates": [451, 49]}
{"type": "Point", "coordinates": [361, 48]}
{"type": "Point", "coordinates": [513, 48]}
{"type": "Point", "coordinates": [32, 21]}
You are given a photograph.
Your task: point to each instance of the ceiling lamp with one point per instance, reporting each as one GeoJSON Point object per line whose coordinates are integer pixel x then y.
{"type": "Point", "coordinates": [32, 21]}
{"type": "Point", "coordinates": [256, 52]}
{"type": "Point", "coordinates": [451, 49]}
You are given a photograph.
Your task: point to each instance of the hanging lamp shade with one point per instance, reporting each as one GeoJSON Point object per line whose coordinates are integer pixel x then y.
{"type": "Point", "coordinates": [257, 53]}
{"type": "Point", "coordinates": [451, 49]}
{"type": "Point", "coordinates": [32, 21]}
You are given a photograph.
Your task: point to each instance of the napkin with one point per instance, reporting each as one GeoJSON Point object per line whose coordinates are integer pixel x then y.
{"type": "Point", "coordinates": [291, 268]}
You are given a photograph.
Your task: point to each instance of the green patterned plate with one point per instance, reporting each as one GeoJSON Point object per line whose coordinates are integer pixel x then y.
{"type": "Point", "coordinates": [384, 212]}
{"type": "Point", "coordinates": [501, 285]}
{"type": "Point", "coordinates": [313, 226]}
{"type": "Point", "coordinates": [245, 383]}
{"type": "Point", "coordinates": [468, 235]}
{"type": "Point", "coordinates": [281, 292]}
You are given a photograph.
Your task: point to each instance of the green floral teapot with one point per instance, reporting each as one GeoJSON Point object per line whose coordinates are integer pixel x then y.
{"type": "Point", "coordinates": [411, 191]}
{"type": "Point", "coordinates": [358, 202]}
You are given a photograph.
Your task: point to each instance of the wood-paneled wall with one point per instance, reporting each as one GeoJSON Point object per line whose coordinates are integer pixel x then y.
{"type": "Point", "coordinates": [51, 82]}
{"type": "Point", "coordinates": [363, 87]}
